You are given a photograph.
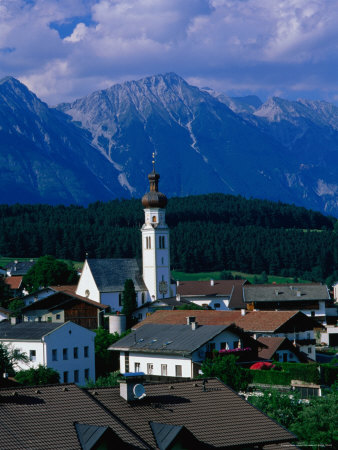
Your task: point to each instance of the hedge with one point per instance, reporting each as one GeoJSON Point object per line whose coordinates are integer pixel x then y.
{"type": "Point", "coordinates": [304, 372]}
{"type": "Point", "coordinates": [329, 374]}
{"type": "Point", "coordinates": [271, 377]}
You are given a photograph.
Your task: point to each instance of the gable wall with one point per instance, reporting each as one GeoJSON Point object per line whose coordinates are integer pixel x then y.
{"type": "Point", "coordinates": [87, 283]}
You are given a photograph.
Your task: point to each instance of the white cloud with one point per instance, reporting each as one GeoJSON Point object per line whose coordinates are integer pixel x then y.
{"type": "Point", "coordinates": [267, 45]}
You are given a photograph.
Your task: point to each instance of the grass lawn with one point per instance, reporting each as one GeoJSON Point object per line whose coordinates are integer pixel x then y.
{"type": "Point", "coordinates": [204, 276]}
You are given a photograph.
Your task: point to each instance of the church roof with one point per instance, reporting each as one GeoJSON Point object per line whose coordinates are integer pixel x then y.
{"type": "Point", "coordinates": [111, 274]}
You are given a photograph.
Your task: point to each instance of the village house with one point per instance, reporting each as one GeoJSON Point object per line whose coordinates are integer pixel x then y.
{"type": "Point", "coordinates": [179, 350]}
{"type": "Point", "coordinates": [67, 348]}
{"type": "Point", "coordinates": [62, 305]}
{"type": "Point", "coordinates": [204, 414]}
{"type": "Point", "coordinates": [296, 326]}
{"type": "Point", "coordinates": [312, 299]}
{"type": "Point", "coordinates": [214, 294]}
{"type": "Point", "coordinates": [280, 349]}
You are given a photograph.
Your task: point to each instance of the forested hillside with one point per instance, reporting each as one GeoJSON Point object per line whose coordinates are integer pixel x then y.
{"type": "Point", "coordinates": [208, 232]}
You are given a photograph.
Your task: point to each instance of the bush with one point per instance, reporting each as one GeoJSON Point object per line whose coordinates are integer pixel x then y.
{"type": "Point", "coordinates": [329, 374]}
{"type": "Point", "coordinates": [108, 381]}
{"type": "Point", "coordinates": [41, 375]}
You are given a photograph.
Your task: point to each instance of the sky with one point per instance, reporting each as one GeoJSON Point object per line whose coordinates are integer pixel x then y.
{"type": "Point", "coordinates": [66, 49]}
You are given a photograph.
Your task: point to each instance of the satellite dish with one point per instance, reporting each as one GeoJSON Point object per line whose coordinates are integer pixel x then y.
{"type": "Point", "coordinates": [139, 391]}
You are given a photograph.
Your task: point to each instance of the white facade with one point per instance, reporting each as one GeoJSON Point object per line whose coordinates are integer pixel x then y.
{"type": "Point", "coordinates": [164, 364]}
{"type": "Point", "coordinates": [156, 254]}
{"type": "Point", "coordinates": [69, 349]}
{"type": "Point", "coordinates": [220, 303]}
{"type": "Point", "coordinates": [87, 287]}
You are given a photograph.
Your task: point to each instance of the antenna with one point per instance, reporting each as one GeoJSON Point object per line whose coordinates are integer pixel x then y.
{"type": "Point", "coordinates": [139, 391]}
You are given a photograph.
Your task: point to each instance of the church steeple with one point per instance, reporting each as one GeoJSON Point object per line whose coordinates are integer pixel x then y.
{"type": "Point", "coordinates": [155, 241]}
{"type": "Point", "coordinates": [154, 198]}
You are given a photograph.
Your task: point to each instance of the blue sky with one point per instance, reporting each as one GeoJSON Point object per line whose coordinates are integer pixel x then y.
{"type": "Point", "coordinates": [65, 49]}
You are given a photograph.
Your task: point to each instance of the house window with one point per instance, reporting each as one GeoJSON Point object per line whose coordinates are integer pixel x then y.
{"type": "Point", "coordinates": [217, 305]}
{"type": "Point", "coordinates": [54, 354]}
{"type": "Point", "coordinates": [65, 377]}
{"type": "Point", "coordinates": [308, 335]}
{"type": "Point", "coordinates": [58, 316]}
{"type": "Point", "coordinates": [178, 370]}
{"type": "Point", "coordinates": [143, 298]}
{"type": "Point", "coordinates": [76, 376]}
{"type": "Point", "coordinates": [86, 351]}
{"type": "Point", "coordinates": [126, 362]}
{"type": "Point", "coordinates": [309, 350]}
{"type": "Point", "coordinates": [32, 355]}
{"type": "Point", "coordinates": [150, 368]}
{"type": "Point", "coordinates": [236, 344]}
{"type": "Point", "coordinates": [49, 319]}
{"type": "Point", "coordinates": [164, 371]}
{"type": "Point", "coordinates": [75, 352]}
{"type": "Point", "coordinates": [65, 353]}
{"type": "Point", "coordinates": [86, 374]}
{"type": "Point", "coordinates": [224, 346]}
{"type": "Point", "coordinates": [139, 316]}
{"type": "Point", "coordinates": [211, 346]}
{"type": "Point", "coordinates": [137, 367]}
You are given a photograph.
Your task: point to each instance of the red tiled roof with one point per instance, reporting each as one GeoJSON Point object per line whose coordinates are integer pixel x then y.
{"type": "Point", "coordinates": [252, 321]}
{"type": "Point", "coordinates": [13, 282]}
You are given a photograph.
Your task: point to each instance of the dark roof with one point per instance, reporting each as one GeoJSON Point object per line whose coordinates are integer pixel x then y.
{"type": "Point", "coordinates": [26, 330]}
{"type": "Point", "coordinates": [164, 434]}
{"type": "Point", "coordinates": [216, 416]}
{"type": "Point", "coordinates": [285, 292]}
{"type": "Point", "coordinates": [89, 434]}
{"type": "Point", "coordinates": [43, 417]}
{"type": "Point", "coordinates": [252, 321]}
{"type": "Point", "coordinates": [168, 338]}
{"type": "Point", "coordinates": [111, 274]}
{"type": "Point", "coordinates": [279, 343]}
{"type": "Point", "coordinates": [19, 267]}
{"type": "Point", "coordinates": [60, 300]}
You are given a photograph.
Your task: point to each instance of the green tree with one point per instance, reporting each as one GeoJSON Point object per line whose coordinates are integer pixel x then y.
{"type": "Point", "coordinates": [317, 422]}
{"type": "Point", "coordinates": [5, 293]}
{"type": "Point", "coordinates": [16, 306]}
{"type": "Point", "coordinates": [104, 358]}
{"type": "Point", "coordinates": [41, 375]}
{"type": "Point", "coordinates": [48, 271]}
{"type": "Point", "coordinates": [283, 408]}
{"type": "Point", "coordinates": [8, 358]}
{"type": "Point", "coordinates": [226, 369]}
{"type": "Point", "coordinates": [129, 303]}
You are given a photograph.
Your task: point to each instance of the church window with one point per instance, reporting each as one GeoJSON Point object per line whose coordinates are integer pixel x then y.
{"type": "Point", "coordinates": [162, 241]}
{"type": "Point", "coordinates": [120, 299]}
{"type": "Point", "coordinates": [154, 218]}
{"type": "Point", "coordinates": [148, 242]}
{"type": "Point", "coordinates": [162, 261]}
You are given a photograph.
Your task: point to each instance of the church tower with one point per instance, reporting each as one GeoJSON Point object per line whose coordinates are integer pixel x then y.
{"type": "Point", "coordinates": [155, 242]}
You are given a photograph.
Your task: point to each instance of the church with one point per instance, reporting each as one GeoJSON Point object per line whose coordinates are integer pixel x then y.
{"type": "Point", "coordinates": [102, 280]}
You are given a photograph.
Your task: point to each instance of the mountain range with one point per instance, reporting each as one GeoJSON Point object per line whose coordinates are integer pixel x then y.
{"type": "Point", "coordinates": [100, 147]}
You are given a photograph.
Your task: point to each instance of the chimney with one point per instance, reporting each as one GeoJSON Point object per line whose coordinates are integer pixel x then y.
{"type": "Point", "coordinates": [15, 320]}
{"type": "Point", "coordinates": [243, 312]}
{"type": "Point", "coordinates": [194, 325]}
{"type": "Point", "coordinates": [190, 320]}
{"type": "Point", "coordinates": [131, 387]}
{"type": "Point", "coordinates": [299, 293]}
{"type": "Point", "coordinates": [177, 283]}
{"type": "Point", "coordinates": [212, 282]}
{"type": "Point", "coordinates": [178, 297]}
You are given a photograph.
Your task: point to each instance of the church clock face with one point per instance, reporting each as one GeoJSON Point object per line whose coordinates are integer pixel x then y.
{"type": "Point", "coordinates": [163, 287]}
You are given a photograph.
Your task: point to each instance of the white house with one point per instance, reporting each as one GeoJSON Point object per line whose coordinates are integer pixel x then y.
{"type": "Point", "coordinates": [68, 348]}
{"type": "Point", "coordinates": [102, 280]}
{"type": "Point", "coordinates": [176, 350]}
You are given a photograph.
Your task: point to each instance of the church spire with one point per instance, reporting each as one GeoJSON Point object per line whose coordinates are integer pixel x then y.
{"type": "Point", "coordinates": [154, 198]}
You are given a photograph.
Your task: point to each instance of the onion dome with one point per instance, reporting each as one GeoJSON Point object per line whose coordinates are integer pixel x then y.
{"type": "Point", "coordinates": [154, 198]}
